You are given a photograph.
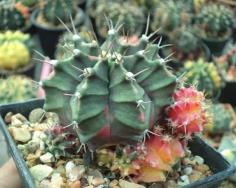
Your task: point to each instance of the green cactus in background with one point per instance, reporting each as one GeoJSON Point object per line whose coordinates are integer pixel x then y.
{"type": "Point", "coordinates": [184, 39]}
{"type": "Point", "coordinates": [205, 75]}
{"type": "Point", "coordinates": [113, 92]}
{"type": "Point", "coordinates": [215, 21]}
{"type": "Point", "coordinates": [223, 119]}
{"type": "Point", "coordinates": [129, 15]}
{"type": "Point", "coordinates": [169, 15]}
{"type": "Point", "coordinates": [52, 10]}
{"type": "Point", "coordinates": [11, 17]}
{"type": "Point", "coordinates": [16, 89]}
{"type": "Point", "coordinates": [15, 50]}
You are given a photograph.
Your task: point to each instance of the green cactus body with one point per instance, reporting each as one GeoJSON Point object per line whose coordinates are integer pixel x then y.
{"type": "Point", "coordinates": [16, 89]}
{"type": "Point", "coordinates": [215, 20]}
{"type": "Point", "coordinates": [11, 18]}
{"type": "Point", "coordinates": [106, 94]}
{"type": "Point", "coordinates": [52, 10]}
{"type": "Point", "coordinates": [28, 3]}
{"type": "Point", "coordinates": [205, 75]}
{"type": "Point", "coordinates": [223, 119]}
{"type": "Point", "coordinates": [130, 15]}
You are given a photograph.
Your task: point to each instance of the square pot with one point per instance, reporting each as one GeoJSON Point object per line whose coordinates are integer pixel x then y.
{"type": "Point", "coordinates": [219, 166]}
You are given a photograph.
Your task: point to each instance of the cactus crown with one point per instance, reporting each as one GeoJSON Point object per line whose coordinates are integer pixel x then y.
{"type": "Point", "coordinates": [16, 89]}
{"type": "Point", "coordinates": [215, 20]}
{"type": "Point", "coordinates": [123, 12]}
{"type": "Point", "coordinates": [63, 9]}
{"type": "Point", "coordinates": [11, 17]}
{"type": "Point", "coordinates": [115, 89]}
{"type": "Point", "coordinates": [205, 75]}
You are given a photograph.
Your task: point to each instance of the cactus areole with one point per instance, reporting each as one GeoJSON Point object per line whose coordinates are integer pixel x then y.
{"type": "Point", "coordinates": [113, 92]}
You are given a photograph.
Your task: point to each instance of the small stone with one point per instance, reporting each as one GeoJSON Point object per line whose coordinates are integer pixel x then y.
{"type": "Point", "coordinates": [16, 122]}
{"type": "Point", "coordinates": [126, 184]}
{"type": "Point", "coordinates": [40, 172]}
{"type": "Point", "coordinates": [98, 181]}
{"type": "Point", "coordinates": [188, 170]}
{"type": "Point", "coordinates": [113, 183]}
{"type": "Point", "coordinates": [95, 173]}
{"type": "Point", "coordinates": [75, 184]}
{"type": "Point", "coordinates": [47, 158]}
{"type": "Point", "coordinates": [20, 134]}
{"type": "Point", "coordinates": [44, 184]}
{"type": "Point", "coordinates": [69, 165]}
{"type": "Point", "coordinates": [195, 176]}
{"type": "Point", "coordinates": [75, 173]}
{"type": "Point", "coordinates": [184, 180]}
{"type": "Point", "coordinates": [202, 168]}
{"type": "Point", "coordinates": [7, 118]}
{"type": "Point", "coordinates": [36, 115]}
{"type": "Point", "coordinates": [198, 159]}
{"type": "Point", "coordinates": [187, 161]}
{"type": "Point", "coordinates": [56, 181]}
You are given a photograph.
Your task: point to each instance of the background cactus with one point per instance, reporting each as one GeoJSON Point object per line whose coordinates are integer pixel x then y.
{"type": "Point", "coordinates": [123, 12]}
{"type": "Point", "coordinates": [223, 119]}
{"type": "Point", "coordinates": [215, 20]}
{"type": "Point", "coordinates": [227, 63]}
{"type": "Point", "coordinates": [15, 50]}
{"type": "Point", "coordinates": [16, 89]}
{"type": "Point", "coordinates": [52, 10]}
{"type": "Point", "coordinates": [28, 3]}
{"type": "Point", "coordinates": [169, 15]}
{"type": "Point", "coordinates": [204, 75]}
{"type": "Point", "coordinates": [11, 17]}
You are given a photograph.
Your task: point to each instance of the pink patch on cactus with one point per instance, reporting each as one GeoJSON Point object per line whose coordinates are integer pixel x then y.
{"type": "Point", "coordinates": [141, 117]}
{"type": "Point", "coordinates": [105, 132]}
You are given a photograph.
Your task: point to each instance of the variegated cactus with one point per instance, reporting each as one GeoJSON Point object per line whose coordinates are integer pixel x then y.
{"type": "Point", "coordinates": [115, 89]}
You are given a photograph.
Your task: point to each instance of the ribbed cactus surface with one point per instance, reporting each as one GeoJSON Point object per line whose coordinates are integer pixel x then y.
{"type": "Point", "coordinates": [113, 91]}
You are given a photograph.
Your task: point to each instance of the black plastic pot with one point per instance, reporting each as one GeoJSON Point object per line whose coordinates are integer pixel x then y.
{"type": "Point", "coordinates": [49, 36]}
{"type": "Point", "coordinates": [228, 93]}
{"type": "Point", "coordinates": [220, 167]}
{"type": "Point", "coordinates": [216, 46]}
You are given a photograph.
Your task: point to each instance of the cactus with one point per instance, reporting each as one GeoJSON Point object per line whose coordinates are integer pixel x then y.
{"type": "Point", "coordinates": [18, 44]}
{"type": "Point", "coordinates": [185, 39]}
{"type": "Point", "coordinates": [205, 75]}
{"type": "Point", "coordinates": [215, 21]}
{"type": "Point", "coordinates": [123, 96]}
{"type": "Point", "coordinates": [186, 45]}
{"type": "Point", "coordinates": [180, 116]}
{"type": "Point", "coordinates": [129, 15]}
{"type": "Point", "coordinates": [129, 87]}
{"type": "Point", "coordinates": [223, 119]}
{"type": "Point", "coordinates": [62, 9]}
{"type": "Point", "coordinates": [169, 15]}
{"type": "Point", "coordinates": [16, 89]}
{"type": "Point", "coordinates": [11, 17]}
